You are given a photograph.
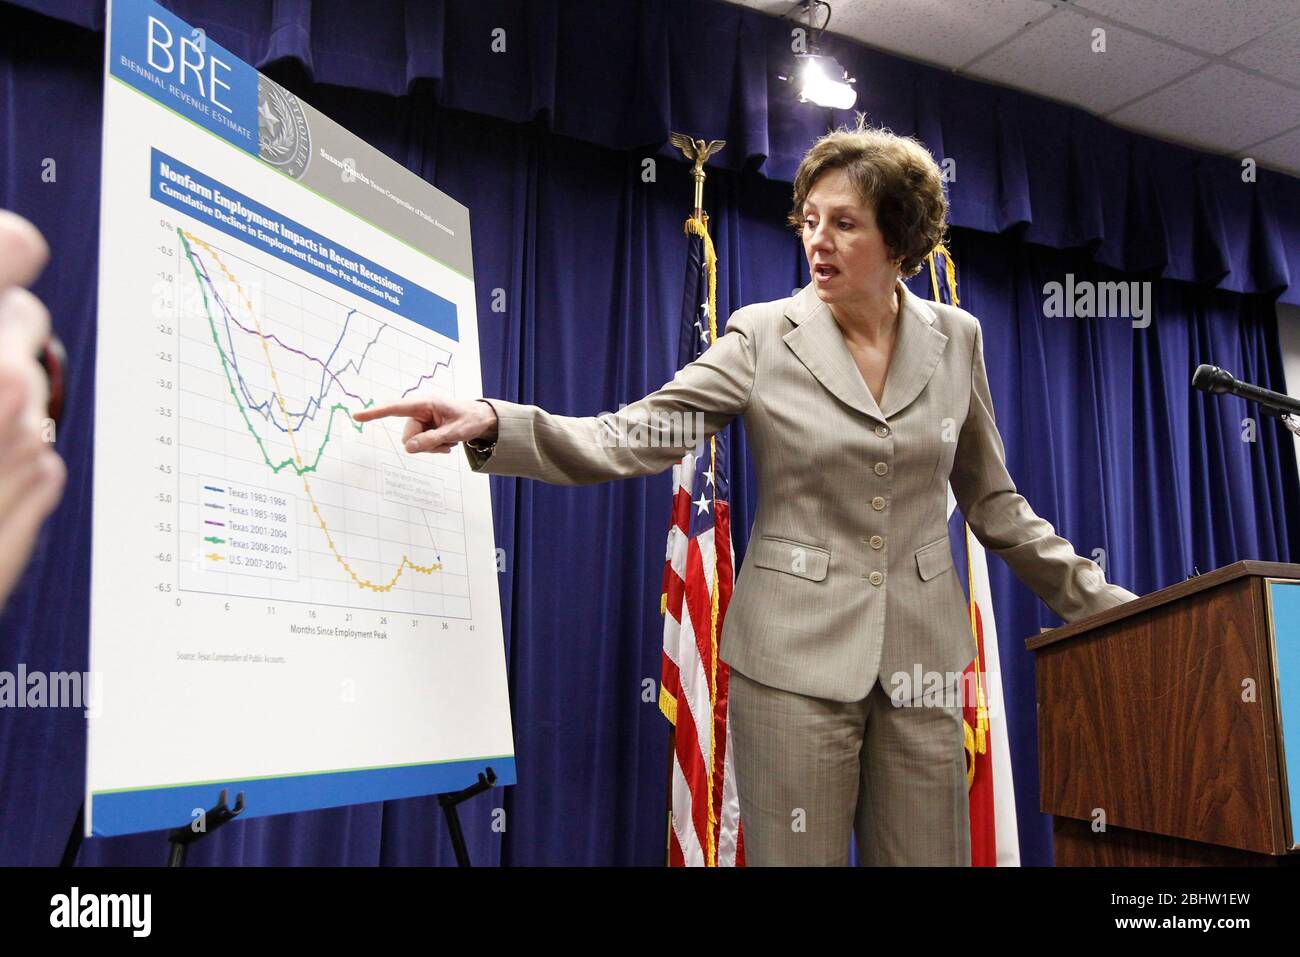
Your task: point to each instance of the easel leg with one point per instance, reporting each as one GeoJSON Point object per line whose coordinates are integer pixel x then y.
{"type": "Point", "coordinates": [75, 837]}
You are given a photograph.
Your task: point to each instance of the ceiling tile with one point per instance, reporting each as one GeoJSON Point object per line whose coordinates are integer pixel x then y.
{"type": "Point", "coordinates": [1277, 54]}
{"type": "Point", "coordinates": [1219, 108]}
{"type": "Point", "coordinates": [935, 31]}
{"type": "Point", "coordinates": [1054, 58]}
{"type": "Point", "coordinates": [1215, 26]}
{"type": "Point", "coordinates": [1282, 153]}
{"type": "Point", "coordinates": [1142, 82]}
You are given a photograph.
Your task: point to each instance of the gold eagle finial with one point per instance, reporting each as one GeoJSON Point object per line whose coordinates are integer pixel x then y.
{"type": "Point", "coordinates": [697, 151]}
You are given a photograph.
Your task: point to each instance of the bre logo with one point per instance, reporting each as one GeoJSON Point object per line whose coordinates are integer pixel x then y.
{"type": "Point", "coordinates": [190, 61]}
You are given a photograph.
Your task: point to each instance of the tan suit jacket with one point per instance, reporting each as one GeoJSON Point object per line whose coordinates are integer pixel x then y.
{"type": "Point", "coordinates": [848, 574]}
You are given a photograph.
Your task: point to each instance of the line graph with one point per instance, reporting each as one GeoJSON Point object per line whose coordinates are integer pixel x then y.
{"type": "Point", "coordinates": [281, 495]}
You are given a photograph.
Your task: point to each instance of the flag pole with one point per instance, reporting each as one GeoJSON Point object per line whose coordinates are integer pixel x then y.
{"type": "Point", "coordinates": [697, 151]}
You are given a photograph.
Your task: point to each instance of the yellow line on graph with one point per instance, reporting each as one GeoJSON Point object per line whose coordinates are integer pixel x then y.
{"type": "Point", "coordinates": [266, 351]}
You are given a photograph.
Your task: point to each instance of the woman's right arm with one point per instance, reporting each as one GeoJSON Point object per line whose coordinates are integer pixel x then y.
{"type": "Point", "coordinates": [1002, 519]}
{"type": "Point", "coordinates": [643, 438]}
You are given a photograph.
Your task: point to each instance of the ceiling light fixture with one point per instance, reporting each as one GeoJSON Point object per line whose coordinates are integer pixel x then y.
{"type": "Point", "coordinates": [819, 78]}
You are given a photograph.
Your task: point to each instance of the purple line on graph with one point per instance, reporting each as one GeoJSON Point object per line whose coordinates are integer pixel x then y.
{"type": "Point", "coordinates": [271, 337]}
{"type": "Point", "coordinates": [208, 521]}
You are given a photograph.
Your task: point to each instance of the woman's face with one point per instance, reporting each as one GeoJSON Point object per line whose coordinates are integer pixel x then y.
{"type": "Point", "coordinates": [847, 254]}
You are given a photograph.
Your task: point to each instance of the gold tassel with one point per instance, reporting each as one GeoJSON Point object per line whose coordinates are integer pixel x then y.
{"type": "Point", "coordinates": [700, 227]}
{"type": "Point", "coordinates": [950, 274]}
{"type": "Point", "coordinates": [970, 754]}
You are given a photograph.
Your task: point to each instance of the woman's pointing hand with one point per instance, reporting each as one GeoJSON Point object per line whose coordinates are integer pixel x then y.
{"type": "Point", "coordinates": [435, 423]}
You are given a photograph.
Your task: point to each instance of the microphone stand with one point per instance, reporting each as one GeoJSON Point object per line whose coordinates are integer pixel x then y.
{"type": "Point", "coordinates": [1216, 381]}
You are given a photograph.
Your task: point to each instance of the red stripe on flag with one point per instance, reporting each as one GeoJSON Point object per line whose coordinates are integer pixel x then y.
{"type": "Point", "coordinates": [983, 829]}
{"type": "Point", "coordinates": [722, 547]}
{"type": "Point", "coordinates": [720, 747]}
{"type": "Point", "coordinates": [674, 588]}
{"type": "Point", "coordinates": [698, 602]}
{"type": "Point", "coordinates": [691, 761]}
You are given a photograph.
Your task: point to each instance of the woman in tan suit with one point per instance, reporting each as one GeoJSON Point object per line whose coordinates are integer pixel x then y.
{"type": "Point", "coordinates": [862, 404]}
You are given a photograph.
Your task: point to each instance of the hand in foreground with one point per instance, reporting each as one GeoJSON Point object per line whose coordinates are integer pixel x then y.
{"type": "Point", "coordinates": [31, 473]}
{"type": "Point", "coordinates": [435, 423]}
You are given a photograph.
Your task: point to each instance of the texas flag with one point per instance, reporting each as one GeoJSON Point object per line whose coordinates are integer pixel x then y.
{"type": "Point", "coordinates": [994, 840]}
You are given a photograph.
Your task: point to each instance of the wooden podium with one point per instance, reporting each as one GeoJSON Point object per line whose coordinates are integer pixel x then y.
{"type": "Point", "coordinates": [1163, 719]}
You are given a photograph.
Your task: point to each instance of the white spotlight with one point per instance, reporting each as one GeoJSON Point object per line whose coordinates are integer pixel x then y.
{"type": "Point", "coordinates": [821, 80]}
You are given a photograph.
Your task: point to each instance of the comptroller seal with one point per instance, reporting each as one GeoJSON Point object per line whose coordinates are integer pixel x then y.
{"type": "Point", "coordinates": [284, 139]}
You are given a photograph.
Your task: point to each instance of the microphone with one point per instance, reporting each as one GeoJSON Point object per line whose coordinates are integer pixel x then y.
{"type": "Point", "coordinates": [1218, 381]}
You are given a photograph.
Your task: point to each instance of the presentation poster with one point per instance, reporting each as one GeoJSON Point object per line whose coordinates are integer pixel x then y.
{"type": "Point", "coordinates": [284, 602]}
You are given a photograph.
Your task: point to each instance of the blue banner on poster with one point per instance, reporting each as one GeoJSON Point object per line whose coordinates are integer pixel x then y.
{"type": "Point", "coordinates": [184, 188]}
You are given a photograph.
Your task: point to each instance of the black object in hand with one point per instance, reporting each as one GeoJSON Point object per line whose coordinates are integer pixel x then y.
{"type": "Point", "coordinates": [54, 360]}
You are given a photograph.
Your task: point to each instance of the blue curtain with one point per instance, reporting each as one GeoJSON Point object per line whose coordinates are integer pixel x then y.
{"type": "Point", "coordinates": [1102, 432]}
{"type": "Point", "coordinates": [623, 73]}
{"type": "Point", "coordinates": [1107, 441]}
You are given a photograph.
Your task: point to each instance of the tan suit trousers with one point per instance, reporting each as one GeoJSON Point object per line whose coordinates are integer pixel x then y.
{"type": "Point", "coordinates": [813, 771]}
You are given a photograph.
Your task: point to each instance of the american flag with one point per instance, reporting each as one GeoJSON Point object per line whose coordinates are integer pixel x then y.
{"type": "Point", "coordinates": [704, 817]}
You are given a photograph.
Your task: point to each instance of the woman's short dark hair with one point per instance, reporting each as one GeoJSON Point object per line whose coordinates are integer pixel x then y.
{"type": "Point", "coordinates": [894, 174]}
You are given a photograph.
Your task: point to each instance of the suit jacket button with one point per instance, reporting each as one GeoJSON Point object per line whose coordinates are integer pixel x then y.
{"type": "Point", "coordinates": [876, 578]}
{"type": "Point", "coordinates": [881, 468]}
{"type": "Point", "coordinates": [877, 541]}
{"type": "Point", "coordinates": [882, 431]}
{"type": "Point", "coordinates": [878, 503]}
